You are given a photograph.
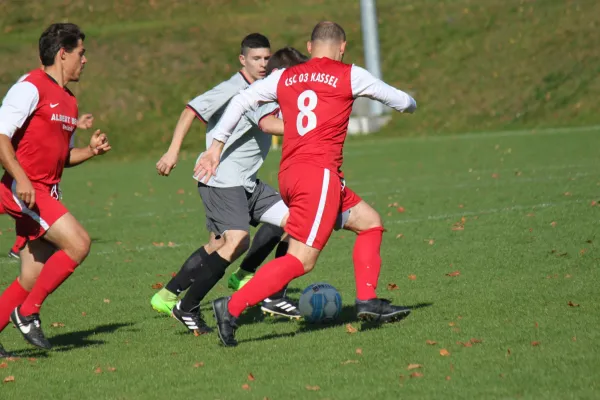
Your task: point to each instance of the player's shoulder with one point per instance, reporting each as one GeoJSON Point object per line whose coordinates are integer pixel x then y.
{"type": "Point", "coordinates": [238, 80]}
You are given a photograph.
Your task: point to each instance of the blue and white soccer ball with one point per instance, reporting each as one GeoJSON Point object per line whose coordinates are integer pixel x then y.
{"type": "Point", "coordinates": [320, 302]}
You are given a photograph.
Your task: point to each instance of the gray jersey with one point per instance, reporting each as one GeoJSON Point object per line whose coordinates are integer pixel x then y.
{"type": "Point", "coordinates": [248, 147]}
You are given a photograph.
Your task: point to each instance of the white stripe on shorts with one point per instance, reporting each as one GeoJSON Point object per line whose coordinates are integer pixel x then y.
{"type": "Point", "coordinates": [26, 210]}
{"type": "Point", "coordinates": [322, 200]}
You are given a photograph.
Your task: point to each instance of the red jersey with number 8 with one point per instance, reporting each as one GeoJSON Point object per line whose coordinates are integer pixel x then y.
{"type": "Point", "coordinates": [316, 101]}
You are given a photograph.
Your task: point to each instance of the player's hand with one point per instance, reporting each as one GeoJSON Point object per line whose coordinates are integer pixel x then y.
{"type": "Point", "coordinates": [207, 165]}
{"type": "Point", "coordinates": [26, 192]}
{"type": "Point", "coordinates": [85, 121]}
{"type": "Point", "coordinates": [167, 163]}
{"type": "Point", "coordinates": [99, 143]}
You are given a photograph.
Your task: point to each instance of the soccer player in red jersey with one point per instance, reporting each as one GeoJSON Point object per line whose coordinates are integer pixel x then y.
{"type": "Point", "coordinates": [316, 101]}
{"type": "Point", "coordinates": [38, 117]}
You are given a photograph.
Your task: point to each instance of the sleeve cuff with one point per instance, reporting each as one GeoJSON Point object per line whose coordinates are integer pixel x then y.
{"type": "Point", "coordinates": [197, 113]}
{"type": "Point", "coordinates": [7, 129]}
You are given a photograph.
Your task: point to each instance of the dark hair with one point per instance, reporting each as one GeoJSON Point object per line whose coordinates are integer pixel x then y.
{"type": "Point", "coordinates": [254, 41]}
{"type": "Point", "coordinates": [328, 31]}
{"type": "Point", "coordinates": [58, 36]}
{"type": "Point", "coordinates": [285, 58]}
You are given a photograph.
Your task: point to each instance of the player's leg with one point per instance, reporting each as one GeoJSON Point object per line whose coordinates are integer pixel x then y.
{"type": "Point", "coordinates": [363, 220]}
{"type": "Point", "coordinates": [33, 256]}
{"type": "Point", "coordinates": [227, 209]}
{"type": "Point", "coordinates": [313, 196]}
{"type": "Point", "coordinates": [73, 244]}
{"type": "Point", "coordinates": [165, 299]}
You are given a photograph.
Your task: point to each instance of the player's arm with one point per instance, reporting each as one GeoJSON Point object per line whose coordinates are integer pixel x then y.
{"type": "Point", "coordinates": [98, 146]}
{"type": "Point", "coordinates": [263, 91]}
{"type": "Point", "coordinates": [271, 125]}
{"type": "Point", "coordinates": [85, 121]}
{"type": "Point", "coordinates": [364, 84]}
{"type": "Point", "coordinates": [20, 102]}
{"type": "Point", "coordinates": [268, 119]}
{"type": "Point", "coordinates": [168, 161]}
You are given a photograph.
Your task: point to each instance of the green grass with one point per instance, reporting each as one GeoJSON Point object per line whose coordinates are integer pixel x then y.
{"type": "Point", "coordinates": [528, 248]}
{"type": "Point", "coordinates": [471, 65]}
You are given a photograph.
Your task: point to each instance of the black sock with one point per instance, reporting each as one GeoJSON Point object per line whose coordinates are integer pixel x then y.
{"type": "Point", "coordinates": [264, 241]}
{"type": "Point", "coordinates": [185, 276]}
{"type": "Point", "coordinates": [281, 251]}
{"type": "Point", "coordinates": [204, 280]}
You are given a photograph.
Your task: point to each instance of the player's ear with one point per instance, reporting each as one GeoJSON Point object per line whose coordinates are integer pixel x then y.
{"type": "Point", "coordinates": [242, 60]}
{"type": "Point", "coordinates": [309, 47]}
{"type": "Point", "coordinates": [343, 48]}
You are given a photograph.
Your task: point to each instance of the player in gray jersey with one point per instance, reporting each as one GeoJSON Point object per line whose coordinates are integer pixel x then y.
{"type": "Point", "coordinates": [233, 201]}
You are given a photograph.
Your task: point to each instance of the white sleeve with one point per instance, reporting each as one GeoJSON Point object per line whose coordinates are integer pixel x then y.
{"type": "Point", "coordinates": [18, 104]}
{"type": "Point", "coordinates": [364, 84]}
{"type": "Point", "coordinates": [263, 91]}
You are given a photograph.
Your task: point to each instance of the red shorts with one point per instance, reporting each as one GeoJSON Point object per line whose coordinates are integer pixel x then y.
{"type": "Point", "coordinates": [32, 223]}
{"type": "Point", "coordinates": [315, 197]}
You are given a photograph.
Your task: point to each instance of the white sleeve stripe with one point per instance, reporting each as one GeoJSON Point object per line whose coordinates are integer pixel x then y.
{"type": "Point", "coordinates": [18, 104]}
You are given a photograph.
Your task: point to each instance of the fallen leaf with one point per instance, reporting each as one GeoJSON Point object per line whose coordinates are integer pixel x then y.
{"type": "Point", "coordinates": [495, 176]}
{"type": "Point", "coordinates": [399, 236]}
{"type": "Point", "coordinates": [453, 274]}
{"type": "Point", "coordinates": [467, 344]}
{"type": "Point", "coordinates": [3, 365]}
{"type": "Point", "coordinates": [111, 369]}
{"type": "Point", "coordinates": [413, 366]}
{"type": "Point", "coordinates": [567, 193]}
{"type": "Point", "coordinates": [582, 251]}
{"type": "Point", "coordinates": [475, 341]}
{"type": "Point", "coordinates": [158, 244]}
{"type": "Point", "coordinates": [571, 304]}
{"type": "Point", "coordinates": [315, 388]}
{"type": "Point", "coordinates": [98, 370]}
{"type": "Point", "coordinates": [173, 274]}
{"type": "Point", "coordinates": [455, 329]}
{"type": "Point", "coordinates": [553, 223]}
{"type": "Point", "coordinates": [431, 342]}
{"type": "Point", "coordinates": [9, 379]}
{"type": "Point", "coordinates": [171, 244]}
{"type": "Point", "coordinates": [574, 338]}
{"type": "Point", "coordinates": [57, 325]}
{"type": "Point", "coordinates": [349, 362]}
{"type": "Point", "coordinates": [416, 375]}
{"type": "Point", "coordinates": [531, 215]}
{"type": "Point", "coordinates": [158, 285]}
{"type": "Point", "coordinates": [250, 376]}
{"type": "Point", "coordinates": [350, 328]}
{"type": "Point", "coordinates": [400, 209]}
{"type": "Point", "coordinates": [389, 214]}
{"type": "Point", "coordinates": [199, 364]}
{"type": "Point", "coordinates": [593, 203]}
{"type": "Point", "coordinates": [431, 242]}
{"type": "Point", "coordinates": [444, 353]}
{"type": "Point", "coordinates": [412, 277]}
{"type": "Point", "coordinates": [536, 343]}
{"type": "Point", "coordinates": [107, 301]}
{"type": "Point", "coordinates": [451, 323]}
{"type": "Point", "coordinates": [448, 378]}
{"type": "Point", "coordinates": [508, 352]}
{"type": "Point", "coordinates": [181, 191]}
{"type": "Point", "coordinates": [461, 206]}
{"type": "Point", "coordinates": [245, 386]}
{"type": "Point", "coordinates": [392, 286]}
{"type": "Point", "coordinates": [358, 351]}
{"type": "Point", "coordinates": [83, 313]}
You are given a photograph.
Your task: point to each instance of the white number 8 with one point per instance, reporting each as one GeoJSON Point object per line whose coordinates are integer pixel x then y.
{"type": "Point", "coordinates": [306, 112]}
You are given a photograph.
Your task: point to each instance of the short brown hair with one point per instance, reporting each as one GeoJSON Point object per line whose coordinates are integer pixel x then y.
{"type": "Point", "coordinates": [328, 31]}
{"type": "Point", "coordinates": [285, 58]}
{"type": "Point", "coordinates": [58, 36]}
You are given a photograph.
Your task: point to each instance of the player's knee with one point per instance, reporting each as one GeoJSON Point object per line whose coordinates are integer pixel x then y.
{"type": "Point", "coordinates": [308, 265]}
{"type": "Point", "coordinates": [79, 246]}
{"type": "Point", "coordinates": [237, 242]}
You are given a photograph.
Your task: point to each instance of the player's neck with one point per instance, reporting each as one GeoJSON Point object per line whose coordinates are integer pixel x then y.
{"type": "Point", "coordinates": [247, 76]}
{"type": "Point", "coordinates": [57, 74]}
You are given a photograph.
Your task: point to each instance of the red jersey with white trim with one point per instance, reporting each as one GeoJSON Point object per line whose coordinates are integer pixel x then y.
{"type": "Point", "coordinates": [316, 101]}
{"type": "Point", "coordinates": [40, 117]}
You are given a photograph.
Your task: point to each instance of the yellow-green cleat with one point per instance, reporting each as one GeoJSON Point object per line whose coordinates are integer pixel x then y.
{"type": "Point", "coordinates": [163, 303]}
{"type": "Point", "coordinates": [238, 279]}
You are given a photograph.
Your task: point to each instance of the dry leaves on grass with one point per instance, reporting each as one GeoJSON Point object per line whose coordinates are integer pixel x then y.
{"type": "Point", "coordinates": [245, 386]}
{"type": "Point", "coordinates": [171, 244]}
{"type": "Point", "coordinates": [571, 304]}
{"type": "Point", "coordinates": [3, 365]}
{"type": "Point", "coordinates": [431, 342]}
{"type": "Point", "coordinates": [399, 236]}
{"type": "Point", "coordinates": [412, 277]}
{"type": "Point", "coordinates": [392, 286]}
{"type": "Point", "coordinates": [57, 325]}
{"type": "Point", "coordinates": [111, 369]}
{"type": "Point", "coordinates": [453, 274]}
{"type": "Point", "coordinates": [98, 370]}
{"type": "Point", "coordinates": [416, 375]}
{"type": "Point", "coordinates": [199, 364]}
{"type": "Point", "coordinates": [349, 362]}
{"type": "Point", "coordinates": [536, 343]}
{"type": "Point", "coordinates": [181, 191]}
{"type": "Point", "coordinates": [251, 377]}
{"type": "Point", "coordinates": [8, 379]}
{"type": "Point", "coordinates": [414, 366]}
{"type": "Point", "coordinates": [358, 351]}
{"type": "Point", "coordinates": [313, 388]}
{"type": "Point", "coordinates": [107, 301]}
{"type": "Point", "coordinates": [158, 285]}
{"type": "Point", "coordinates": [400, 209]}
{"type": "Point", "coordinates": [158, 244]}
{"type": "Point", "coordinates": [444, 353]}
{"type": "Point", "coordinates": [351, 329]}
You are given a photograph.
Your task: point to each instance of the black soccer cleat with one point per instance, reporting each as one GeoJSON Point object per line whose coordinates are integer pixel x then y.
{"type": "Point", "coordinates": [226, 323]}
{"type": "Point", "coordinates": [282, 306]}
{"type": "Point", "coordinates": [4, 353]}
{"type": "Point", "coordinates": [193, 321]}
{"type": "Point", "coordinates": [380, 310]}
{"type": "Point", "coordinates": [31, 328]}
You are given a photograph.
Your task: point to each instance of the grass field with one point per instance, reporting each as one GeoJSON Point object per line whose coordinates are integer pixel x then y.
{"type": "Point", "coordinates": [512, 212]}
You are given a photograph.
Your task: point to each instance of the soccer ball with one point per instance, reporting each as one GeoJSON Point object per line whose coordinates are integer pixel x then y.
{"type": "Point", "coordinates": [320, 302]}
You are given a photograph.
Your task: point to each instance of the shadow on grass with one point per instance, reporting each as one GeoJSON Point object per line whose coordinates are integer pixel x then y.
{"type": "Point", "coordinates": [347, 316]}
{"type": "Point", "coordinates": [79, 339]}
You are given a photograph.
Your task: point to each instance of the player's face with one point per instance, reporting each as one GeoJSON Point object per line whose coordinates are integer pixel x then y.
{"type": "Point", "coordinates": [74, 61]}
{"type": "Point", "coordinates": [255, 62]}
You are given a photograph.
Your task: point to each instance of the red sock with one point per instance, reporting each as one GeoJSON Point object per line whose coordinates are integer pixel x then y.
{"type": "Point", "coordinates": [12, 297]}
{"type": "Point", "coordinates": [20, 242]}
{"type": "Point", "coordinates": [367, 262]}
{"type": "Point", "coordinates": [269, 279]}
{"type": "Point", "coordinates": [58, 268]}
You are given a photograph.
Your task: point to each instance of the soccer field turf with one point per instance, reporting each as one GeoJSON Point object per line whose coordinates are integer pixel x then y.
{"type": "Point", "coordinates": [495, 250]}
